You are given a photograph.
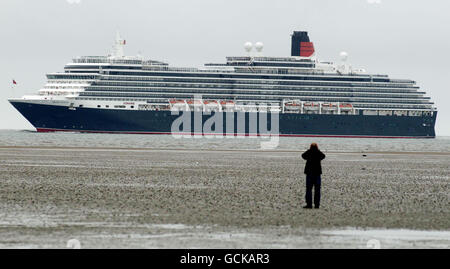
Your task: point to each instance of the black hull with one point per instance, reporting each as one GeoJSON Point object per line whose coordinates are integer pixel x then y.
{"type": "Point", "coordinates": [60, 118]}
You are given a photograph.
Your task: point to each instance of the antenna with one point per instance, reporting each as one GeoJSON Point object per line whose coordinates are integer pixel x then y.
{"type": "Point", "coordinates": [119, 43]}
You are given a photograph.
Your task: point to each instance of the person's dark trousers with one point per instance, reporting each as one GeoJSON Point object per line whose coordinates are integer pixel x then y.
{"type": "Point", "coordinates": [313, 181]}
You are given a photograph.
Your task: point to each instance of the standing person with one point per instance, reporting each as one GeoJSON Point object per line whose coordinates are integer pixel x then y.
{"type": "Point", "coordinates": [313, 171]}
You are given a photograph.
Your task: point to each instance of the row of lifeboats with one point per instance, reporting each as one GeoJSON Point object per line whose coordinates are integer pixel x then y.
{"type": "Point", "coordinates": [196, 102]}
{"type": "Point", "coordinates": [228, 104]}
{"type": "Point", "coordinates": [292, 105]}
{"type": "Point", "coordinates": [202, 105]}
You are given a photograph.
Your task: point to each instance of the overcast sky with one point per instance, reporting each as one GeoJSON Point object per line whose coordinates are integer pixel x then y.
{"type": "Point", "coordinates": [401, 38]}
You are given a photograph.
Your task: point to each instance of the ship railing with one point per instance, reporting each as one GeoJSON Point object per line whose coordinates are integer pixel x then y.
{"type": "Point", "coordinates": [125, 60]}
{"type": "Point", "coordinates": [265, 59]}
{"type": "Point", "coordinates": [186, 69]}
{"type": "Point", "coordinates": [106, 60]}
{"type": "Point", "coordinates": [402, 81]}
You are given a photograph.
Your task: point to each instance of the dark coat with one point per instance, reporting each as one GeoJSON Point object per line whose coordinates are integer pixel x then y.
{"type": "Point", "coordinates": [313, 158]}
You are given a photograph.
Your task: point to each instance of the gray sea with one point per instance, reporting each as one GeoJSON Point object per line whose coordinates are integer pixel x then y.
{"type": "Point", "coordinates": [63, 139]}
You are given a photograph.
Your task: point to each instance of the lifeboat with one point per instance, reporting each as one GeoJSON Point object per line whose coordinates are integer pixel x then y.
{"type": "Point", "coordinates": [329, 106]}
{"type": "Point", "coordinates": [210, 102]}
{"type": "Point", "coordinates": [196, 105]}
{"type": "Point", "coordinates": [174, 101]}
{"type": "Point", "coordinates": [177, 104]}
{"type": "Point", "coordinates": [194, 102]}
{"type": "Point", "coordinates": [292, 106]}
{"type": "Point", "coordinates": [211, 105]}
{"type": "Point", "coordinates": [226, 103]}
{"type": "Point", "coordinates": [345, 106]}
{"type": "Point", "coordinates": [311, 106]}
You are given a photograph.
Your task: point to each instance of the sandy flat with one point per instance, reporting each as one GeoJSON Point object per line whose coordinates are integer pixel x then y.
{"type": "Point", "coordinates": [170, 198]}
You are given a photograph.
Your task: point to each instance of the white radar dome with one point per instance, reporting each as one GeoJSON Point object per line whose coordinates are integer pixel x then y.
{"type": "Point", "coordinates": [259, 46]}
{"type": "Point", "coordinates": [344, 56]}
{"type": "Point", "coordinates": [248, 46]}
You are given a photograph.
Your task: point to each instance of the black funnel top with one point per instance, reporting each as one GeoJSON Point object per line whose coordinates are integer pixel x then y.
{"type": "Point", "coordinates": [297, 38]}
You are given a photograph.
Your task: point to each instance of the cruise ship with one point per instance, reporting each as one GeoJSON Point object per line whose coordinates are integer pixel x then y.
{"type": "Point", "coordinates": [248, 95]}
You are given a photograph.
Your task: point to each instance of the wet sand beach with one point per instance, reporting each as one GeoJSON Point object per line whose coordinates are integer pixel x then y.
{"type": "Point", "coordinates": [186, 198]}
